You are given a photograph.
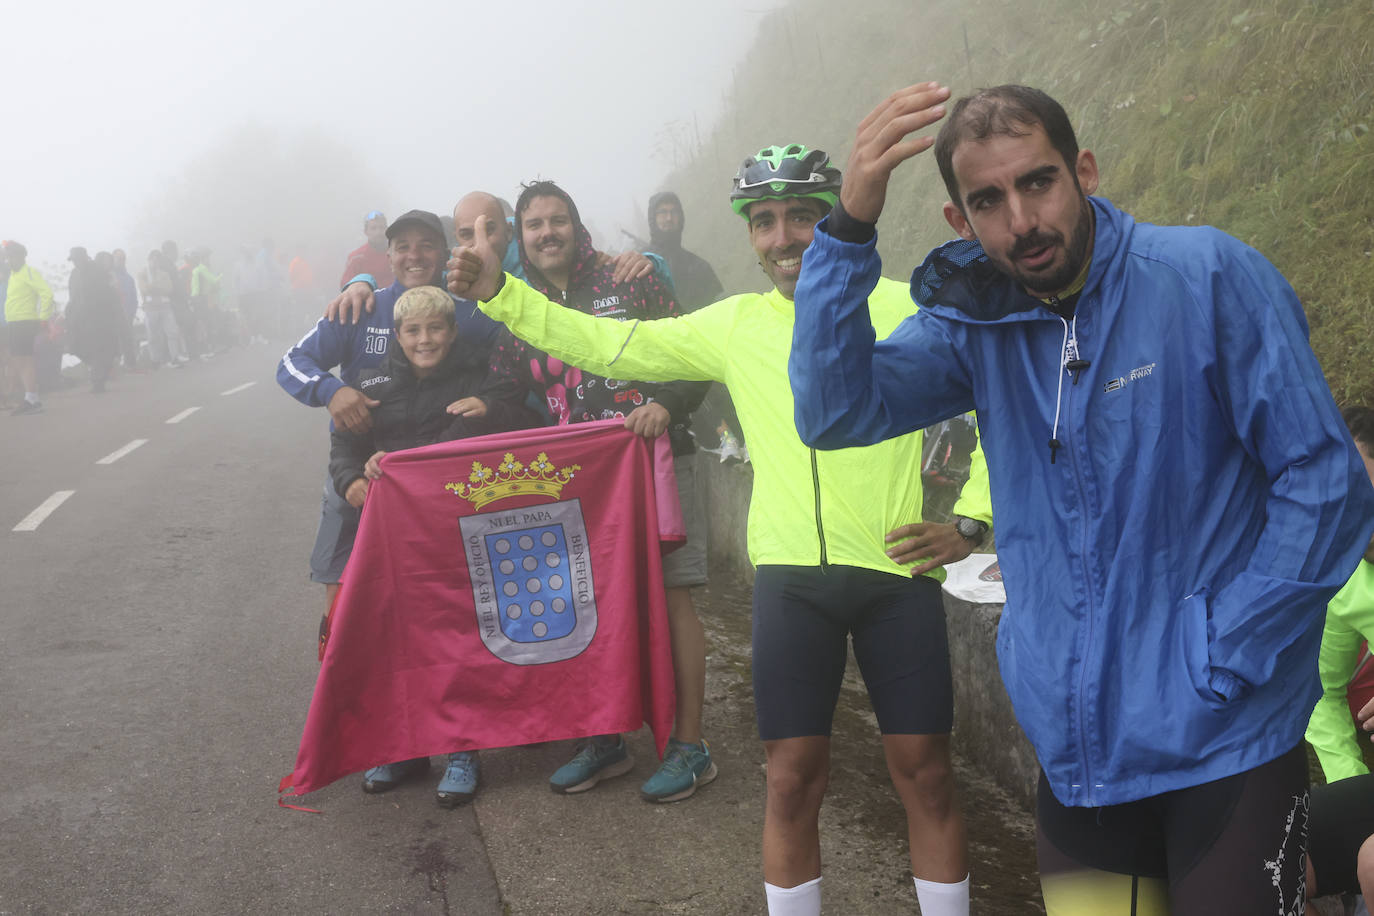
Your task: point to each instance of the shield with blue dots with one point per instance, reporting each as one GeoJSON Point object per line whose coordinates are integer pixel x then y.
{"type": "Point", "coordinates": [532, 583]}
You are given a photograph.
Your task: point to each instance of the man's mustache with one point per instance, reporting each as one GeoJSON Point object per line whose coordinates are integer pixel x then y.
{"type": "Point", "coordinates": [1032, 241]}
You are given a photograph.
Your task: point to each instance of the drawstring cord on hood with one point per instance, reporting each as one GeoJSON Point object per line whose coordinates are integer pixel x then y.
{"type": "Point", "coordinates": [1072, 364]}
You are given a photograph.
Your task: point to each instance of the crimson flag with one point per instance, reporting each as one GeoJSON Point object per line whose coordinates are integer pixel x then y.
{"type": "Point", "coordinates": [503, 590]}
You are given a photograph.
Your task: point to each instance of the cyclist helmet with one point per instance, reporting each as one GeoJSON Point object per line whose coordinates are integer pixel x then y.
{"type": "Point", "coordinates": [778, 172]}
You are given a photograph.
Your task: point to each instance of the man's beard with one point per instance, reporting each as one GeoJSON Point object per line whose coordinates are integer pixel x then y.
{"type": "Point", "coordinates": [1075, 253]}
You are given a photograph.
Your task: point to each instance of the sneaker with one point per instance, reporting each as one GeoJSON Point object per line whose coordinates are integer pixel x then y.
{"type": "Point", "coordinates": [602, 757]}
{"type": "Point", "coordinates": [684, 768]}
{"type": "Point", "coordinates": [459, 784]}
{"type": "Point", "coordinates": [27, 407]}
{"type": "Point", "coordinates": [390, 775]}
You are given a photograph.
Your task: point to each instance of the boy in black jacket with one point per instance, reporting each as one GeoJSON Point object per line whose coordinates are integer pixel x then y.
{"type": "Point", "coordinates": [428, 372]}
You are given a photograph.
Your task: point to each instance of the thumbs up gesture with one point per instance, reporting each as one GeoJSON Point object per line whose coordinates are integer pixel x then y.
{"type": "Point", "coordinates": [474, 271]}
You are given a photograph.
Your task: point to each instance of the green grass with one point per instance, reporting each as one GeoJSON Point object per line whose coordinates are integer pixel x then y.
{"type": "Point", "coordinates": [1252, 117]}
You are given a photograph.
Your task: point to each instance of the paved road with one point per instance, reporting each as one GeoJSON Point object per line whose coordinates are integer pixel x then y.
{"type": "Point", "coordinates": [156, 662]}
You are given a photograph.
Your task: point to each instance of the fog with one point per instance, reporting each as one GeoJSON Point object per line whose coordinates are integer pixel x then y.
{"type": "Point", "coordinates": [132, 123]}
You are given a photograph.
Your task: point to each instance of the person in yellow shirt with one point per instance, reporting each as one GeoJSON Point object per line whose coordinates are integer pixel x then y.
{"type": "Point", "coordinates": [1341, 845]}
{"type": "Point", "coordinates": [28, 308]}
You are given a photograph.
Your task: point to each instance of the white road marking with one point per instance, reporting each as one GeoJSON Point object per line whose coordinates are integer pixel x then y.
{"type": "Point", "coordinates": [35, 518]}
{"type": "Point", "coordinates": [237, 389]}
{"type": "Point", "coordinates": [120, 453]}
{"type": "Point", "coordinates": [183, 415]}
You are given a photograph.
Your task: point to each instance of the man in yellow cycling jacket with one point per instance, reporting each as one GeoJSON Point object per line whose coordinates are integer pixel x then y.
{"type": "Point", "coordinates": [28, 307]}
{"type": "Point", "coordinates": [831, 534]}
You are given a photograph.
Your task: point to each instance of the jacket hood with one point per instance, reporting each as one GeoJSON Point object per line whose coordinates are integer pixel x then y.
{"type": "Point", "coordinates": [958, 281]}
{"type": "Point", "coordinates": [657, 237]}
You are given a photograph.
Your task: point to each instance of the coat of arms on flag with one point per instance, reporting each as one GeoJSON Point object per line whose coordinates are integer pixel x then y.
{"type": "Point", "coordinates": [530, 570]}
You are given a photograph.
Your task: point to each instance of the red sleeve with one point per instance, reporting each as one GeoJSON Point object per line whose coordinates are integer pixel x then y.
{"type": "Point", "coordinates": [350, 270]}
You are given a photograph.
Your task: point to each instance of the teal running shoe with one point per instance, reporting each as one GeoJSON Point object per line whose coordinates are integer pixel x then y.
{"type": "Point", "coordinates": [602, 757]}
{"type": "Point", "coordinates": [685, 767]}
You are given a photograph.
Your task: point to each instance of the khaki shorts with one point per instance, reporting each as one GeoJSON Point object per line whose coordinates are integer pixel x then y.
{"type": "Point", "coordinates": [685, 567]}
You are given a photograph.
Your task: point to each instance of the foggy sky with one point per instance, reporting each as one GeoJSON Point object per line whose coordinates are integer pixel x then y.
{"type": "Point", "coordinates": [109, 103]}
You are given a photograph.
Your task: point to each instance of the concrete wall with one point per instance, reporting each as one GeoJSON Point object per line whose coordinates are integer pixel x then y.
{"type": "Point", "coordinates": [985, 731]}
{"type": "Point", "coordinates": [726, 488]}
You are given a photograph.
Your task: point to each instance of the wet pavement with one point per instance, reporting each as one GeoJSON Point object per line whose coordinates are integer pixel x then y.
{"type": "Point", "coordinates": [157, 655]}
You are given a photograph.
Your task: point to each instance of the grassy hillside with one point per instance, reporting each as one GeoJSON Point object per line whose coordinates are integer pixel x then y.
{"type": "Point", "coordinates": [1253, 117]}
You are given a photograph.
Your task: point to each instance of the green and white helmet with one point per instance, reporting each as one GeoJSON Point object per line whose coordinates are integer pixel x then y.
{"type": "Point", "coordinates": [780, 172]}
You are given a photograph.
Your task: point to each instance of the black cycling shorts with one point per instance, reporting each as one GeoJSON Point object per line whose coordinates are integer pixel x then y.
{"type": "Point", "coordinates": [1342, 820]}
{"type": "Point", "coordinates": [21, 336]}
{"type": "Point", "coordinates": [1231, 847]}
{"type": "Point", "coordinates": [804, 619]}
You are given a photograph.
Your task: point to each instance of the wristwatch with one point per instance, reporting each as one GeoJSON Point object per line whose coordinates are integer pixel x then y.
{"type": "Point", "coordinates": [971, 529]}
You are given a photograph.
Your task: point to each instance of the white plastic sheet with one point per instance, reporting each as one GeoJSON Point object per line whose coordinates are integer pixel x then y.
{"type": "Point", "coordinates": [976, 579]}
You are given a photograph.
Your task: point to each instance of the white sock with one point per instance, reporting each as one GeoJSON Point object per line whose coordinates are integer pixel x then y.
{"type": "Point", "coordinates": [937, 899]}
{"type": "Point", "coordinates": [802, 900]}
{"type": "Point", "coordinates": [31, 397]}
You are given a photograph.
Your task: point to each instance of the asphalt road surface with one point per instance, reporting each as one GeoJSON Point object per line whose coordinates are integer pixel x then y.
{"type": "Point", "coordinates": [156, 661]}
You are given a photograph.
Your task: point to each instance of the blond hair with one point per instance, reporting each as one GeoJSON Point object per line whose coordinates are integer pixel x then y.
{"type": "Point", "coordinates": [422, 302]}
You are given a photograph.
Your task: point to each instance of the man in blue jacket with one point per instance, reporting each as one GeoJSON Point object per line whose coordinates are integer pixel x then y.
{"type": "Point", "coordinates": [1177, 498]}
{"type": "Point", "coordinates": [417, 250]}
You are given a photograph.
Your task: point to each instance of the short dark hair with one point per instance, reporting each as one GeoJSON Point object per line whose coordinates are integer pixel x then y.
{"type": "Point", "coordinates": [1360, 422]}
{"type": "Point", "coordinates": [541, 188]}
{"type": "Point", "coordinates": [1010, 111]}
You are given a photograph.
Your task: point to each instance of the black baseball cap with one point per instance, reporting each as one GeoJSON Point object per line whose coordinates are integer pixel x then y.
{"type": "Point", "coordinates": [420, 218]}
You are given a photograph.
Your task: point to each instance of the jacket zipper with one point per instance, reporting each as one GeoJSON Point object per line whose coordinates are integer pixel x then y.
{"type": "Point", "coordinates": [820, 526]}
{"type": "Point", "coordinates": [1088, 594]}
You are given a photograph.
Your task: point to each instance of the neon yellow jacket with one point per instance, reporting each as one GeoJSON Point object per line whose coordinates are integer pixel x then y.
{"type": "Point", "coordinates": [28, 297]}
{"type": "Point", "coordinates": [1349, 620]}
{"type": "Point", "coordinates": [808, 508]}
{"type": "Point", "coordinates": [205, 283]}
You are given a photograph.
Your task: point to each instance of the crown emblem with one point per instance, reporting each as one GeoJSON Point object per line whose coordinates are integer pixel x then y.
{"type": "Point", "coordinates": [511, 478]}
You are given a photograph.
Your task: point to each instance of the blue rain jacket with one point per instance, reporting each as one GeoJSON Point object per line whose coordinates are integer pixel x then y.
{"type": "Point", "coordinates": [1168, 571]}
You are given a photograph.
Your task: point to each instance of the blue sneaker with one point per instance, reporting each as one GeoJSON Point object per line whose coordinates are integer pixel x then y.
{"type": "Point", "coordinates": [390, 775]}
{"type": "Point", "coordinates": [459, 784]}
{"type": "Point", "coordinates": [602, 757]}
{"type": "Point", "coordinates": [684, 768]}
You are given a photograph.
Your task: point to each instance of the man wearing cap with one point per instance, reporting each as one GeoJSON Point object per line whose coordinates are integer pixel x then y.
{"type": "Point", "coordinates": [371, 257]}
{"type": "Point", "coordinates": [416, 250]}
{"type": "Point", "coordinates": [28, 307]}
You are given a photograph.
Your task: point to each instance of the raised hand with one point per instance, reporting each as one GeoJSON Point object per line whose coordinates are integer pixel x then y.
{"type": "Point", "coordinates": [882, 144]}
{"type": "Point", "coordinates": [474, 271]}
